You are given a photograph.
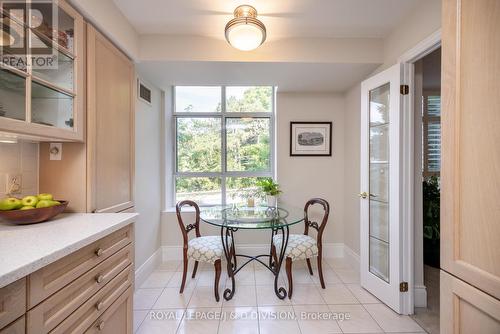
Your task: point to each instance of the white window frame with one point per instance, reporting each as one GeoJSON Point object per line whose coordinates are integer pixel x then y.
{"type": "Point", "coordinates": [223, 115]}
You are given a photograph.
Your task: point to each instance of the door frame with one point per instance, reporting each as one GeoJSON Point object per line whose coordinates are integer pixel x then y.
{"type": "Point", "coordinates": [422, 49]}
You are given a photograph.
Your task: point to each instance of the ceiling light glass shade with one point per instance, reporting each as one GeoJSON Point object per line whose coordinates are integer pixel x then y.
{"type": "Point", "coordinates": [245, 32]}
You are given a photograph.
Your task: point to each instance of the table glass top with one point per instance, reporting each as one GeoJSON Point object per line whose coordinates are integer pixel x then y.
{"type": "Point", "coordinates": [259, 217]}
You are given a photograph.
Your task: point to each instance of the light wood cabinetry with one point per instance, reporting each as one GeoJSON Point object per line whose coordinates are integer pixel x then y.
{"type": "Point", "coordinates": [43, 96]}
{"type": "Point", "coordinates": [12, 302]}
{"type": "Point", "coordinates": [88, 290]}
{"type": "Point", "coordinates": [470, 232]}
{"type": "Point", "coordinates": [100, 171]}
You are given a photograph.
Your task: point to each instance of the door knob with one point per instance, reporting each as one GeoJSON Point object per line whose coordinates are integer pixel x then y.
{"type": "Point", "coordinates": [363, 195]}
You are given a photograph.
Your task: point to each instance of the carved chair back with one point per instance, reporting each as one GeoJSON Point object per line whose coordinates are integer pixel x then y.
{"type": "Point", "coordinates": [185, 229]}
{"type": "Point", "coordinates": [314, 225]}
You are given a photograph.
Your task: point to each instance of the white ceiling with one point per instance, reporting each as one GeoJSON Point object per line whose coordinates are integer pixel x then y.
{"type": "Point", "coordinates": [283, 18]}
{"type": "Point", "coordinates": [289, 77]}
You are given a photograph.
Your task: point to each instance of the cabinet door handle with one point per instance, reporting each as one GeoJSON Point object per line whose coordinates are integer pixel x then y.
{"type": "Point", "coordinates": [363, 195]}
{"type": "Point", "coordinates": [99, 252]}
{"type": "Point", "coordinates": [99, 306]}
{"type": "Point", "coordinates": [99, 278]}
{"type": "Point", "coordinates": [100, 325]}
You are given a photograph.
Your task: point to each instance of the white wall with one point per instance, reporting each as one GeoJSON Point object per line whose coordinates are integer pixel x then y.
{"type": "Point", "coordinates": [20, 158]}
{"type": "Point", "coordinates": [421, 23]}
{"type": "Point", "coordinates": [352, 167]}
{"type": "Point", "coordinates": [148, 193]}
{"type": "Point", "coordinates": [301, 178]}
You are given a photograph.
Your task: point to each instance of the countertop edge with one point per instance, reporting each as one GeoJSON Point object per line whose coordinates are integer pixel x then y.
{"type": "Point", "coordinates": [45, 260]}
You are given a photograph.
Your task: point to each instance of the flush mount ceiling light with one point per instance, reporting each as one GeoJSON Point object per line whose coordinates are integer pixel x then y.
{"type": "Point", "coordinates": [245, 32]}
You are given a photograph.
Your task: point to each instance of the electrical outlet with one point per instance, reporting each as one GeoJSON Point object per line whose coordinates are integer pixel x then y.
{"type": "Point", "coordinates": [14, 184]}
{"type": "Point", "coordinates": [55, 151]}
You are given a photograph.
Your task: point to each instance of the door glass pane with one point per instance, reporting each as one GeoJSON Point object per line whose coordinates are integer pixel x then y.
{"type": "Point", "coordinates": [379, 182]}
{"type": "Point", "coordinates": [199, 144]}
{"type": "Point", "coordinates": [248, 144]}
{"type": "Point", "coordinates": [50, 107]}
{"type": "Point", "coordinates": [249, 99]}
{"type": "Point", "coordinates": [197, 99]}
{"type": "Point", "coordinates": [12, 95]}
{"type": "Point", "coordinates": [202, 190]}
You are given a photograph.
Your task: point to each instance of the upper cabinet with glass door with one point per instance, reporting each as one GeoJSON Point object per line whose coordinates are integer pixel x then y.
{"type": "Point", "coordinates": [42, 70]}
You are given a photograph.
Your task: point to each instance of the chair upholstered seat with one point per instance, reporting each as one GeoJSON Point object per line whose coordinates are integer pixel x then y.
{"type": "Point", "coordinates": [299, 247]}
{"type": "Point", "coordinates": [206, 249]}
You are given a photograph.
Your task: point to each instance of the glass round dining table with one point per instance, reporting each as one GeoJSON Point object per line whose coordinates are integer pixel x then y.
{"type": "Point", "coordinates": [231, 219]}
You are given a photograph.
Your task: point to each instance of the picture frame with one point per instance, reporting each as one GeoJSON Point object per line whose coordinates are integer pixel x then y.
{"type": "Point", "coordinates": [311, 139]}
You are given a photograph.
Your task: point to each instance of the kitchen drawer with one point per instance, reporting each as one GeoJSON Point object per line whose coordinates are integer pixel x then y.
{"type": "Point", "coordinates": [12, 302]}
{"type": "Point", "coordinates": [52, 311]}
{"type": "Point", "coordinates": [92, 309]}
{"type": "Point", "coordinates": [117, 318]}
{"type": "Point", "coordinates": [17, 327]}
{"type": "Point", "coordinates": [57, 275]}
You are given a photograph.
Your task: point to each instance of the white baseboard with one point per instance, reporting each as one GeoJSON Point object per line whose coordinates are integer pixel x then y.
{"type": "Point", "coordinates": [351, 255]}
{"type": "Point", "coordinates": [174, 253]}
{"type": "Point", "coordinates": [420, 297]}
{"type": "Point", "coordinates": [142, 273]}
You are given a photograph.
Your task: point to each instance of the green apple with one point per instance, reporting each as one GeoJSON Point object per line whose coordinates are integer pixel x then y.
{"type": "Point", "coordinates": [27, 207]}
{"type": "Point", "coordinates": [47, 197]}
{"type": "Point", "coordinates": [54, 203]}
{"type": "Point", "coordinates": [30, 201]}
{"type": "Point", "coordinates": [44, 204]}
{"type": "Point", "coordinates": [10, 203]}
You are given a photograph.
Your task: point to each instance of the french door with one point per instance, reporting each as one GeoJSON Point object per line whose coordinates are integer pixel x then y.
{"type": "Point", "coordinates": [381, 201]}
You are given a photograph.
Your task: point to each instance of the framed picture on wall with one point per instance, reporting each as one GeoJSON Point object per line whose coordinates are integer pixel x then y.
{"type": "Point", "coordinates": [311, 139]}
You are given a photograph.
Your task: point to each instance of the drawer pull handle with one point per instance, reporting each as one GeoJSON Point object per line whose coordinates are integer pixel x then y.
{"type": "Point", "coordinates": [100, 325]}
{"type": "Point", "coordinates": [99, 251]}
{"type": "Point", "coordinates": [99, 278]}
{"type": "Point", "coordinates": [99, 306]}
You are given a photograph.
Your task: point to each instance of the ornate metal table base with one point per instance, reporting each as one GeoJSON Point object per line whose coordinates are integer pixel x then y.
{"type": "Point", "coordinates": [227, 236]}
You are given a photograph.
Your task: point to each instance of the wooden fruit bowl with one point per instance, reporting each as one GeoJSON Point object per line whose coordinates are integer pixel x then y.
{"type": "Point", "coordinates": [33, 216]}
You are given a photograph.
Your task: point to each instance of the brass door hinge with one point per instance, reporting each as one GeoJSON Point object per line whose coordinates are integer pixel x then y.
{"type": "Point", "coordinates": [403, 287]}
{"type": "Point", "coordinates": [404, 89]}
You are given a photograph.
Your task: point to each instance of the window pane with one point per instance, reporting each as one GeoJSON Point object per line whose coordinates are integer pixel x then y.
{"type": "Point", "coordinates": [434, 147]}
{"type": "Point", "coordinates": [199, 144]}
{"type": "Point", "coordinates": [248, 144]}
{"type": "Point", "coordinates": [434, 105]}
{"type": "Point", "coordinates": [249, 99]}
{"type": "Point", "coordinates": [239, 189]}
{"type": "Point", "coordinates": [197, 99]}
{"type": "Point", "coordinates": [202, 190]}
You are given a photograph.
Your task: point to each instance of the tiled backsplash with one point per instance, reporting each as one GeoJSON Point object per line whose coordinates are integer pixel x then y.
{"type": "Point", "coordinates": [20, 158]}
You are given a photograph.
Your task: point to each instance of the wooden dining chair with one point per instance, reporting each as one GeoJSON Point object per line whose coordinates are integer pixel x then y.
{"type": "Point", "coordinates": [200, 249]}
{"type": "Point", "coordinates": [303, 246]}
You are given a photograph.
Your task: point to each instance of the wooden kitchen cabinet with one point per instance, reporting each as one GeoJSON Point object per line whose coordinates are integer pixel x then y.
{"type": "Point", "coordinates": [470, 177]}
{"type": "Point", "coordinates": [98, 176]}
{"type": "Point", "coordinates": [89, 290]}
{"type": "Point", "coordinates": [41, 101]}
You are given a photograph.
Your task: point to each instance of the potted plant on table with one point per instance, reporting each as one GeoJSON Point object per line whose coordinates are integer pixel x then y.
{"type": "Point", "coordinates": [271, 189]}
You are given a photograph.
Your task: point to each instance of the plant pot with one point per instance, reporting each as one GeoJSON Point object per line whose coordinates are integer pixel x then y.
{"type": "Point", "coordinates": [272, 201]}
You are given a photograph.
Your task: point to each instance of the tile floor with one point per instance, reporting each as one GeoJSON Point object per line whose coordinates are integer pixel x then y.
{"type": "Point", "coordinates": [343, 307]}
